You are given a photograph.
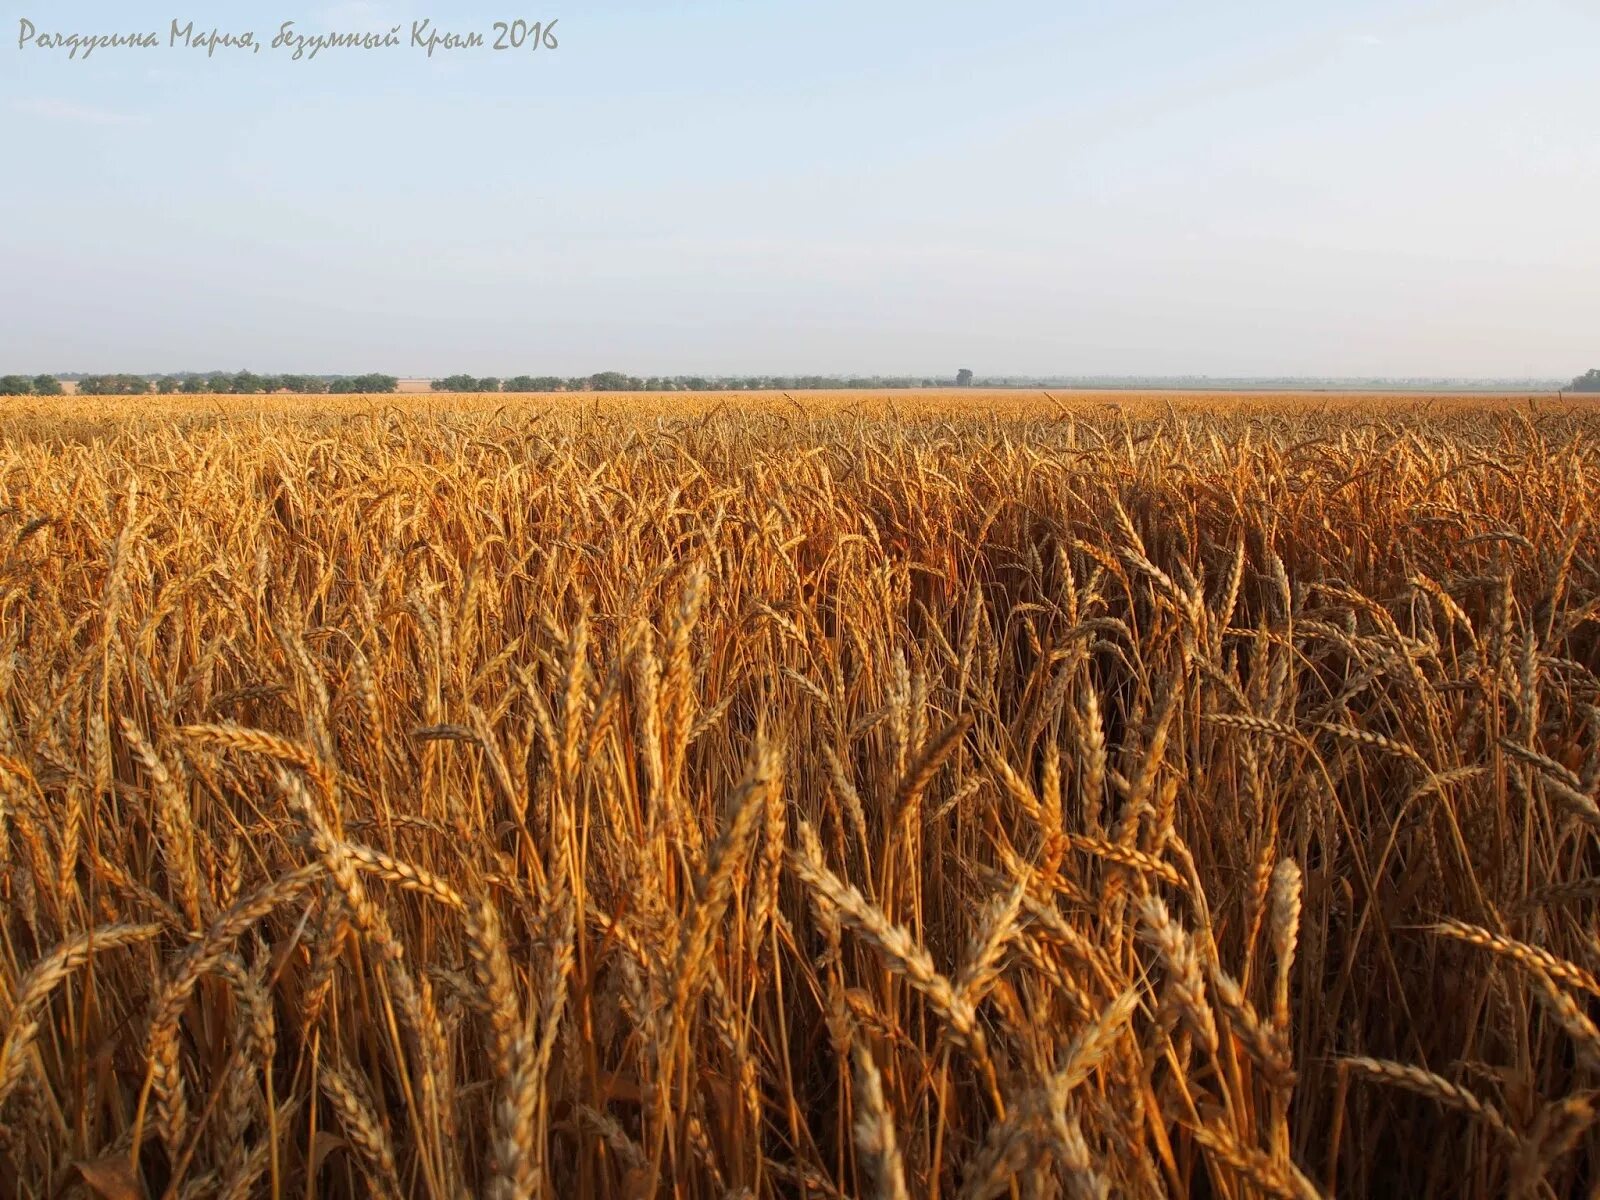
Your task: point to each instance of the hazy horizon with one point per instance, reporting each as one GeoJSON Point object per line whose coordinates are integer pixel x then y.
{"type": "Point", "coordinates": [1088, 380]}
{"type": "Point", "coordinates": [1372, 190]}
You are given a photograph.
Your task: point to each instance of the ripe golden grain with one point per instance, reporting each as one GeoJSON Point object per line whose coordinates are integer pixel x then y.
{"type": "Point", "coordinates": [983, 794]}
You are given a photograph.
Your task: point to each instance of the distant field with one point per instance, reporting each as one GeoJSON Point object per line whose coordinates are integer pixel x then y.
{"type": "Point", "coordinates": [1005, 404]}
{"type": "Point", "coordinates": [840, 794]}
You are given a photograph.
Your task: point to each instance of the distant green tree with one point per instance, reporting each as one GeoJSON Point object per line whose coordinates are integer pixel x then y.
{"type": "Point", "coordinates": [15, 385]}
{"type": "Point", "coordinates": [168, 384]}
{"type": "Point", "coordinates": [614, 381]}
{"type": "Point", "coordinates": [455, 383]}
{"type": "Point", "coordinates": [535, 383]}
{"type": "Point", "coordinates": [1587, 382]}
{"type": "Point", "coordinates": [357, 385]}
{"type": "Point", "coordinates": [246, 383]}
{"type": "Point", "coordinates": [193, 385]}
{"type": "Point", "coordinates": [113, 385]}
{"type": "Point", "coordinates": [302, 384]}
{"type": "Point", "coordinates": [47, 385]}
{"type": "Point", "coordinates": [963, 378]}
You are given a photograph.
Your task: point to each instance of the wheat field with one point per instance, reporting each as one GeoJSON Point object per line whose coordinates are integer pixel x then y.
{"type": "Point", "coordinates": [891, 796]}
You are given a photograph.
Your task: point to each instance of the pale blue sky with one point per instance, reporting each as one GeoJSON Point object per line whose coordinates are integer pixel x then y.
{"type": "Point", "coordinates": [1145, 186]}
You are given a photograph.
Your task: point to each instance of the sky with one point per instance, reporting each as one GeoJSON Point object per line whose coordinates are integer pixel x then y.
{"type": "Point", "coordinates": [1156, 187]}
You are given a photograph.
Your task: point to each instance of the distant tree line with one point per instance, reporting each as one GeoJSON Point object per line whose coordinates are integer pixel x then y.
{"type": "Point", "coordinates": [249, 383]}
{"type": "Point", "coordinates": [244, 383]}
{"type": "Point", "coordinates": [348, 385]}
{"type": "Point", "coordinates": [619, 381]}
{"type": "Point", "coordinates": [466, 383]}
{"type": "Point", "coordinates": [30, 385]}
{"type": "Point", "coordinates": [112, 385]}
{"type": "Point", "coordinates": [195, 383]}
